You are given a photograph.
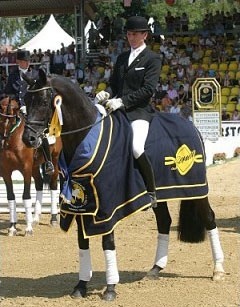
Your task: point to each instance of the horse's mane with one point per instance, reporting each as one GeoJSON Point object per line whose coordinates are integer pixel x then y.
{"type": "Point", "coordinates": [70, 91]}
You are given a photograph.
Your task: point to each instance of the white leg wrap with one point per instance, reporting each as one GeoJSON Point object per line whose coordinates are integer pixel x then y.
{"type": "Point", "coordinates": [54, 201]}
{"type": "Point", "coordinates": [112, 275]}
{"type": "Point", "coordinates": [28, 211]}
{"type": "Point", "coordinates": [217, 251]}
{"type": "Point", "coordinates": [161, 257]}
{"type": "Point", "coordinates": [12, 211]}
{"type": "Point", "coordinates": [85, 265]}
{"type": "Point", "coordinates": [38, 203]}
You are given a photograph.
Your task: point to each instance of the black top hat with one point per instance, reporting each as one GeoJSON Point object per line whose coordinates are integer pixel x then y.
{"type": "Point", "coordinates": [23, 55]}
{"type": "Point", "coordinates": [137, 24]}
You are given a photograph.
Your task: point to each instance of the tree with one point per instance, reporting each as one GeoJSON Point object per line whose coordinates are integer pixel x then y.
{"type": "Point", "coordinates": [11, 29]}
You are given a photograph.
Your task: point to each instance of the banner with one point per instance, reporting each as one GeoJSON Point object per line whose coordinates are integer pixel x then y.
{"type": "Point", "coordinates": [230, 128]}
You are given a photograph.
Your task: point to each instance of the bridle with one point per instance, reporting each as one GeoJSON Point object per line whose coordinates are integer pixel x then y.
{"type": "Point", "coordinates": [5, 119]}
{"type": "Point", "coordinates": [62, 133]}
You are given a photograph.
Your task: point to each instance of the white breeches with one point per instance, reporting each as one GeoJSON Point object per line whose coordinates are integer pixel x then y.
{"type": "Point", "coordinates": [140, 129]}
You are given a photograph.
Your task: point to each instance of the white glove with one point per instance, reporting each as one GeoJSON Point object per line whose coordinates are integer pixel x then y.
{"type": "Point", "coordinates": [23, 109]}
{"type": "Point", "coordinates": [102, 96]}
{"type": "Point", "coordinates": [114, 104]}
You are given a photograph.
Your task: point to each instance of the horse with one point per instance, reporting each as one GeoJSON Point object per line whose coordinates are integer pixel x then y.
{"type": "Point", "coordinates": [101, 184]}
{"type": "Point", "coordinates": [15, 155]}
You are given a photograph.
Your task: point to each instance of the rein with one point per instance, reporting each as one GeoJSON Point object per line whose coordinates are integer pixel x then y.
{"type": "Point", "coordinates": [86, 127]}
{"type": "Point", "coordinates": [67, 132]}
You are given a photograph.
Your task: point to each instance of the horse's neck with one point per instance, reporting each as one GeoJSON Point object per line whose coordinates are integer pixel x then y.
{"type": "Point", "coordinates": [74, 120]}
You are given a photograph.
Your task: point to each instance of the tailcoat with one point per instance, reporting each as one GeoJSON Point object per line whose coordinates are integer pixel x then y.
{"type": "Point", "coordinates": [135, 84]}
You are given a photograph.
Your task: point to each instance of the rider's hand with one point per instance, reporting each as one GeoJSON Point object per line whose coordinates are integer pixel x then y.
{"type": "Point", "coordinates": [102, 96]}
{"type": "Point", "coordinates": [114, 104]}
{"type": "Point", "coordinates": [23, 110]}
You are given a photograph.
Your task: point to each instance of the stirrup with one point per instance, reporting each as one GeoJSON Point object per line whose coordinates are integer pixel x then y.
{"type": "Point", "coordinates": [48, 168]}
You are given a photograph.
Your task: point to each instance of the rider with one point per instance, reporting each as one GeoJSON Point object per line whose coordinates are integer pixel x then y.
{"type": "Point", "coordinates": [132, 84]}
{"type": "Point", "coordinates": [17, 87]}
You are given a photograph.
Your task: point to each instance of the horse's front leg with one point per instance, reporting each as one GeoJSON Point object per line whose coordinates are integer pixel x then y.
{"type": "Point", "coordinates": [85, 264]}
{"type": "Point", "coordinates": [38, 181]}
{"type": "Point", "coordinates": [112, 274]}
{"type": "Point", "coordinates": [12, 230]}
{"type": "Point", "coordinates": [27, 201]}
{"type": "Point", "coordinates": [164, 221]}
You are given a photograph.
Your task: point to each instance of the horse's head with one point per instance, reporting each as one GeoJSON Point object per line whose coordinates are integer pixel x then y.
{"type": "Point", "coordinates": [38, 100]}
{"type": "Point", "coordinates": [9, 115]}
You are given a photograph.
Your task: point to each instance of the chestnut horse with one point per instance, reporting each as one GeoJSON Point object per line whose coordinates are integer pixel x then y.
{"type": "Point", "coordinates": [101, 184]}
{"type": "Point", "coordinates": [15, 155]}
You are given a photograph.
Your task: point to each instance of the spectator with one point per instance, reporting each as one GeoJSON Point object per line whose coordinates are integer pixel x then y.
{"type": "Point", "coordinates": [182, 95]}
{"type": "Point", "coordinates": [58, 65]}
{"type": "Point", "coordinates": [175, 109]}
{"type": "Point", "coordinates": [45, 62]}
{"type": "Point", "coordinates": [184, 22]}
{"type": "Point", "coordinates": [118, 24]}
{"type": "Point", "coordinates": [225, 115]}
{"type": "Point", "coordinates": [180, 72]}
{"type": "Point", "coordinates": [235, 115]}
{"type": "Point", "coordinates": [172, 92]}
{"type": "Point", "coordinates": [166, 103]}
{"type": "Point", "coordinates": [107, 73]}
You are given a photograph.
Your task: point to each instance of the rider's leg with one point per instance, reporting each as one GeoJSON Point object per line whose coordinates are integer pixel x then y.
{"type": "Point", "coordinates": [140, 132]}
{"type": "Point", "coordinates": [49, 168]}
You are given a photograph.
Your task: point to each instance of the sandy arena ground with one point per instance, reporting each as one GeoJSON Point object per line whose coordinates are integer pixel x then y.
{"type": "Point", "coordinates": [42, 270]}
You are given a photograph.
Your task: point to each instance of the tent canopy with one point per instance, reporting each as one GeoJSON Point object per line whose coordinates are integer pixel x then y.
{"type": "Point", "coordinates": [50, 37]}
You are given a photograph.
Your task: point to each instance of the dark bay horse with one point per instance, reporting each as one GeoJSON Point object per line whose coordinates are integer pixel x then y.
{"type": "Point", "coordinates": [15, 155]}
{"type": "Point", "coordinates": [100, 182]}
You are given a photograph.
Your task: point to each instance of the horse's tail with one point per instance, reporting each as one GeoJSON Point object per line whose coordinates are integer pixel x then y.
{"type": "Point", "coordinates": [191, 227]}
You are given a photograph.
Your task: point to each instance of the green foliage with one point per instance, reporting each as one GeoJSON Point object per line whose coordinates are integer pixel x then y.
{"type": "Point", "coordinates": [10, 29]}
{"type": "Point", "coordinates": [109, 8]}
{"type": "Point", "coordinates": [195, 11]}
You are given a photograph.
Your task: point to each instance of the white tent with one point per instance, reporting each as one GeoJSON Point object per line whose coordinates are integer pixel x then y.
{"type": "Point", "coordinates": [50, 37]}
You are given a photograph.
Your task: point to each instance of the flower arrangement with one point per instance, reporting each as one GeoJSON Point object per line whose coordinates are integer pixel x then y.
{"type": "Point", "coordinates": [237, 152]}
{"type": "Point", "coordinates": [219, 158]}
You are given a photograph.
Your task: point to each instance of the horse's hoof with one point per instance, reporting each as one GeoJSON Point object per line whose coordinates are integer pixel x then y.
{"type": "Point", "coordinates": [218, 276]}
{"type": "Point", "coordinates": [109, 295]}
{"type": "Point", "coordinates": [154, 272]}
{"type": "Point", "coordinates": [54, 223]}
{"type": "Point", "coordinates": [12, 232]}
{"type": "Point", "coordinates": [28, 233]}
{"type": "Point", "coordinates": [79, 291]}
{"type": "Point", "coordinates": [36, 222]}
{"type": "Point", "coordinates": [54, 220]}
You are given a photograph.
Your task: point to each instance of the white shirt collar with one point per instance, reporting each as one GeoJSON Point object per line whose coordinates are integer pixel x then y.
{"type": "Point", "coordinates": [139, 49]}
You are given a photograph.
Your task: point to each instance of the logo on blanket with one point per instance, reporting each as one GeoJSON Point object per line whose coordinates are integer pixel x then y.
{"type": "Point", "coordinates": [78, 194]}
{"type": "Point", "coordinates": [184, 160]}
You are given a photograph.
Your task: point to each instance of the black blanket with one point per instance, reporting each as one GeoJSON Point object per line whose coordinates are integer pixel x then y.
{"type": "Point", "coordinates": [103, 185]}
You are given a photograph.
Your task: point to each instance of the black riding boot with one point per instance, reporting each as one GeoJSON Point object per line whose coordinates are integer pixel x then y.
{"type": "Point", "coordinates": [145, 168]}
{"type": "Point", "coordinates": [48, 166]}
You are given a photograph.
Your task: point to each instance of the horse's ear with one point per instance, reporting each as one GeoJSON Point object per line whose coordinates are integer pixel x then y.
{"type": "Point", "coordinates": [42, 75]}
{"type": "Point", "coordinates": [28, 80]}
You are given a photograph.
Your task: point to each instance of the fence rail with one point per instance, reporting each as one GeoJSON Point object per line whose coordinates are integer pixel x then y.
{"type": "Point", "coordinates": [18, 189]}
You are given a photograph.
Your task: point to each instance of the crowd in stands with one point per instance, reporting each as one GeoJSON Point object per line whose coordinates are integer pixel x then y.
{"type": "Point", "coordinates": [208, 53]}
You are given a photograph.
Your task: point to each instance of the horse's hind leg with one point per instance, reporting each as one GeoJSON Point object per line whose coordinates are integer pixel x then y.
{"type": "Point", "coordinates": [208, 217]}
{"type": "Point", "coordinates": [164, 221]}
